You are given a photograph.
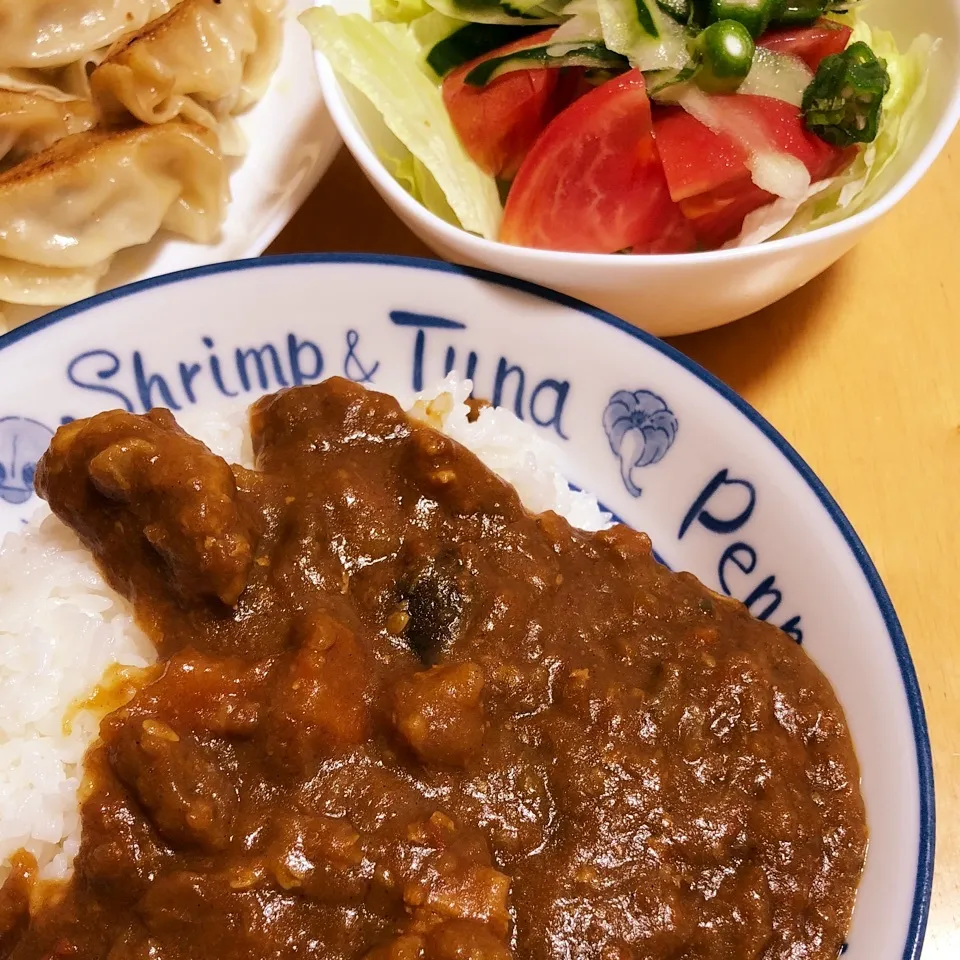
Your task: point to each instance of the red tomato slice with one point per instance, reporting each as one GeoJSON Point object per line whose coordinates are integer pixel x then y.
{"type": "Point", "coordinates": [810, 44]}
{"type": "Point", "coordinates": [697, 159]}
{"type": "Point", "coordinates": [593, 181]}
{"type": "Point", "coordinates": [717, 216]}
{"type": "Point", "coordinates": [498, 123]}
{"type": "Point", "coordinates": [707, 173]}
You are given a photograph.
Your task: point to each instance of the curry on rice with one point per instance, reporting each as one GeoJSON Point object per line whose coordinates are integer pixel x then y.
{"type": "Point", "coordinates": [397, 717]}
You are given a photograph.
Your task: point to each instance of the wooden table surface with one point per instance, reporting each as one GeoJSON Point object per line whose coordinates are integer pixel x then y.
{"type": "Point", "coordinates": [859, 371]}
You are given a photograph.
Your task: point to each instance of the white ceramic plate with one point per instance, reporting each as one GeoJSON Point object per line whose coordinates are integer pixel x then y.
{"type": "Point", "coordinates": [292, 142]}
{"type": "Point", "coordinates": [719, 490]}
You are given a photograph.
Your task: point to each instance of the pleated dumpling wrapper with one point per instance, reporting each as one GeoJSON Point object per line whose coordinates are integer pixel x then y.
{"type": "Point", "coordinates": [31, 122]}
{"type": "Point", "coordinates": [35, 286]}
{"type": "Point", "coordinates": [76, 204]}
{"type": "Point", "coordinates": [44, 34]}
{"type": "Point", "coordinates": [205, 61]}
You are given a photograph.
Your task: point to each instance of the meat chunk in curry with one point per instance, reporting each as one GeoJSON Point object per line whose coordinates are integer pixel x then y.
{"type": "Point", "coordinates": [397, 717]}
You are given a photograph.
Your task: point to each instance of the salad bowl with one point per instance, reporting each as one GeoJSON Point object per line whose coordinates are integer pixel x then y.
{"type": "Point", "coordinates": [720, 492]}
{"type": "Point", "coordinates": [675, 294]}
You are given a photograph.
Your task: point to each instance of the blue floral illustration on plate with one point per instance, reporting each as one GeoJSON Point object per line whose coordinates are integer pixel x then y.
{"type": "Point", "coordinates": [22, 444]}
{"type": "Point", "coordinates": [641, 429]}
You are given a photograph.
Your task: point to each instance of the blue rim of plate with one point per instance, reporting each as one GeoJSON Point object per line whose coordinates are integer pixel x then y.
{"type": "Point", "coordinates": [924, 880]}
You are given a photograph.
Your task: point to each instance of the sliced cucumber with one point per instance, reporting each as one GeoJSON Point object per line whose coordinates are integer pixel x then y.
{"type": "Point", "coordinates": [520, 8]}
{"type": "Point", "coordinates": [679, 10]}
{"type": "Point", "coordinates": [688, 13]}
{"type": "Point", "coordinates": [429, 30]}
{"type": "Point", "coordinates": [491, 11]}
{"type": "Point", "coordinates": [567, 8]}
{"type": "Point", "coordinates": [644, 14]}
{"type": "Point", "coordinates": [663, 85]}
{"type": "Point", "coordinates": [642, 32]}
{"type": "Point", "coordinates": [586, 53]}
{"type": "Point", "coordinates": [471, 41]}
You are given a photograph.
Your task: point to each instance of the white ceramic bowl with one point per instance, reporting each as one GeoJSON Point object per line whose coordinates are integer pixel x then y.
{"type": "Point", "coordinates": [397, 324]}
{"type": "Point", "coordinates": [670, 295]}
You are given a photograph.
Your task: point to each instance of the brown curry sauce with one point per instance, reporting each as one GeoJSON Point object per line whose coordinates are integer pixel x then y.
{"type": "Point", "coordinates": [400, 718]}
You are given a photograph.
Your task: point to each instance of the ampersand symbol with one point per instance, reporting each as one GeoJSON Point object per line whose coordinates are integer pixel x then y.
{"type": "Point", "coordinates": [353, 366]}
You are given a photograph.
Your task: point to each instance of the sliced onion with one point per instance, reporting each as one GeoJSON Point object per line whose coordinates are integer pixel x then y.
{"type": "Point", "coordinates": [584, 25]}
{"type": "Point", "coordinates": [778, 173]}
{"type": "Point", "coordinates": [779, 75]}
{"type": "Point", "coordinates": [768, 221]}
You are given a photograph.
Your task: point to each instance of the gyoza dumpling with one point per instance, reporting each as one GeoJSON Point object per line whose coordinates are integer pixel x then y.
{"type": "Point", "coordinates": [30, 122]}
{"type": "Point", "coordinates": [203, 62]}
{"type": "Point", "coordinates": [52, 33]}
{"type": "Point", "coordinates": [92, 194]}
{"type": "Point", "coordinates": [47, 286]}
{"type": "Point", "coordinates": [71, 82]}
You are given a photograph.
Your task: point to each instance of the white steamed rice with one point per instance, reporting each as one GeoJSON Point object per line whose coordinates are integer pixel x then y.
{"type": "Point", "coordinates": [62, 627]}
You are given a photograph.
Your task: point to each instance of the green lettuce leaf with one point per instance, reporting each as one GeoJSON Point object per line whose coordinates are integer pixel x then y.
{"type": "Point", "coordinates": [417, 180]}
{"type": "Point", "coordinates": [398, 11]}
{"type": "Point", "coordinates": [383, 64]}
